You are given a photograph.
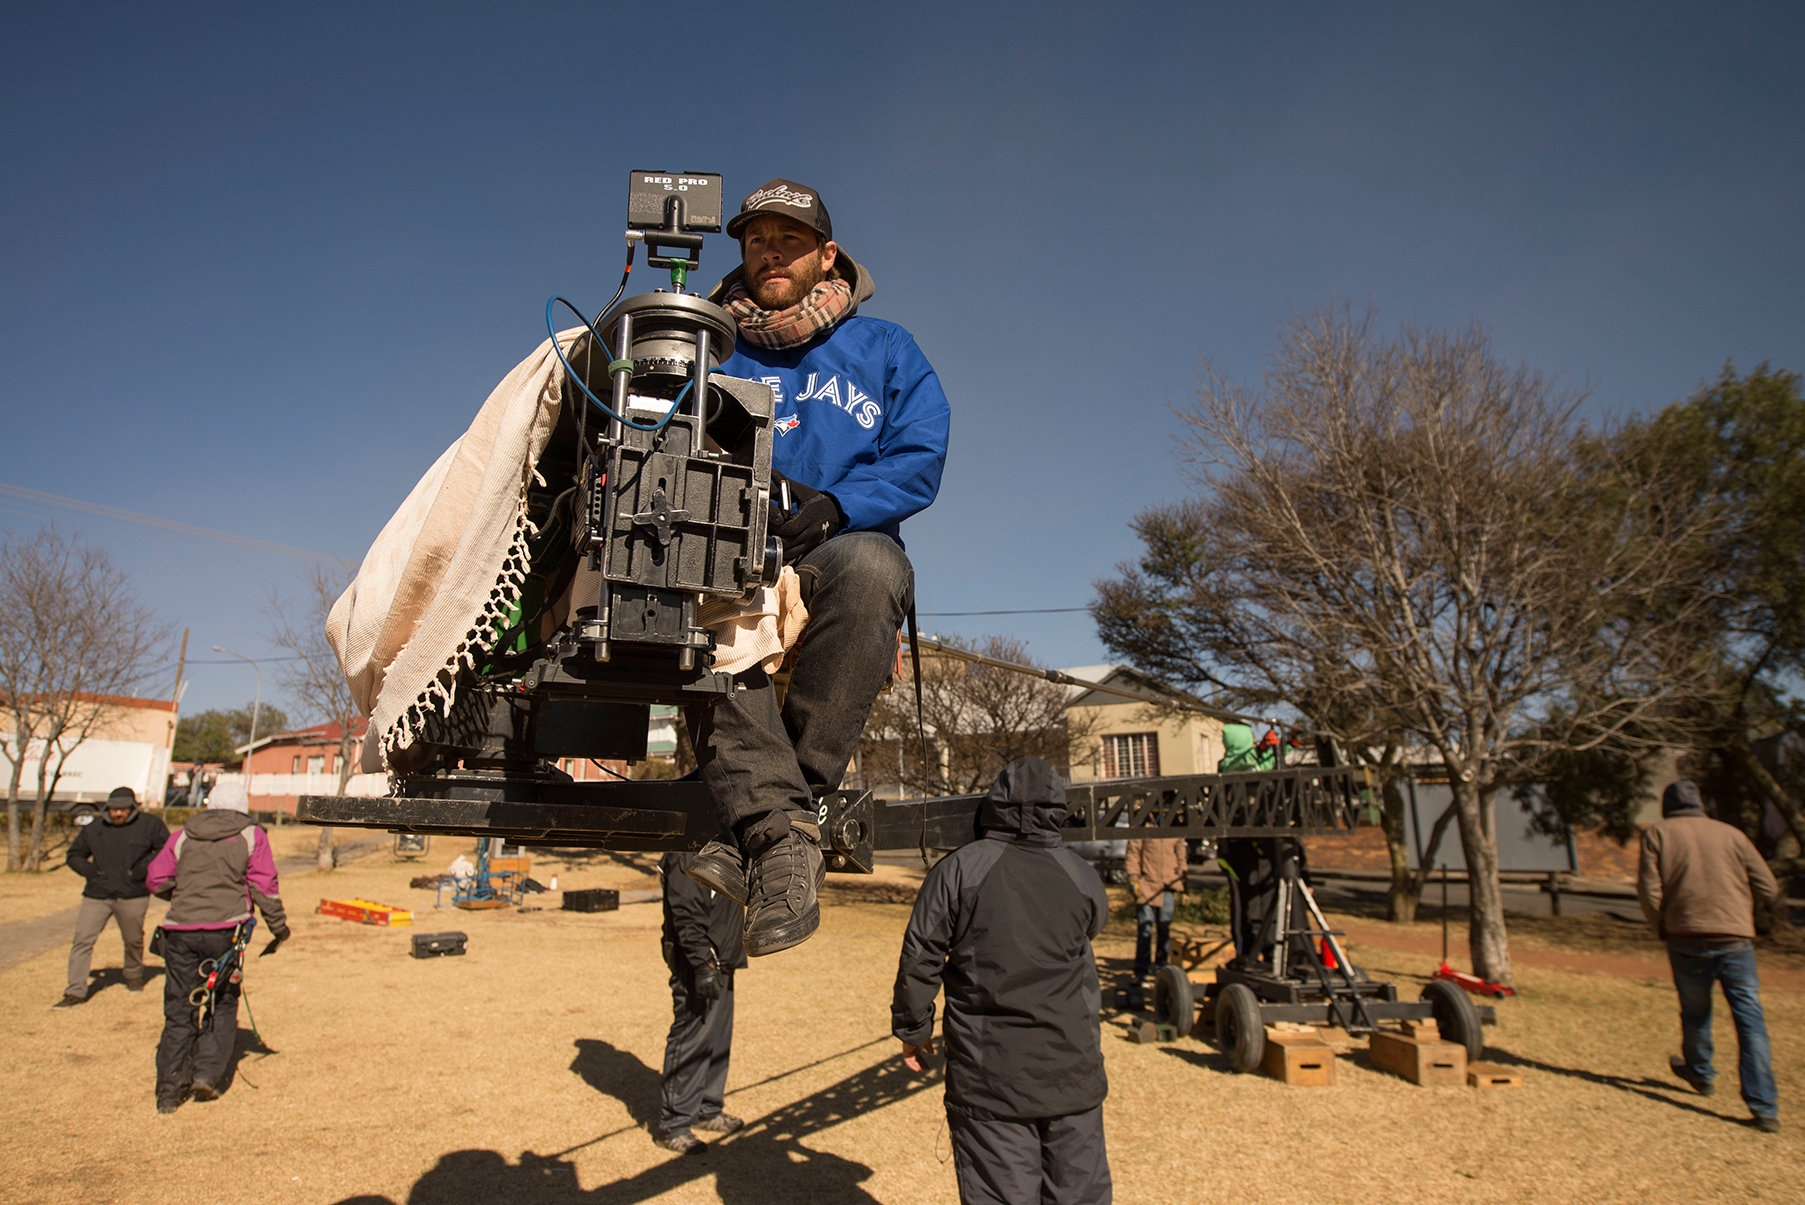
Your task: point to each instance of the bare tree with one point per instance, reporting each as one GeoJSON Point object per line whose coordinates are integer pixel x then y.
{"type": "Point", "coordinates": [313, 680]}
{"type": "Point", "coordinates": [1411, 542]}
{"type": "Point", "coordinates": [979, 718]}
{"type": "Point", "coordinates": [74, 637]}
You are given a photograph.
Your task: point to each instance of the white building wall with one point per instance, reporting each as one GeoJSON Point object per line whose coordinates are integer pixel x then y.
{"type": "Point", "coordinates": [368, 785]}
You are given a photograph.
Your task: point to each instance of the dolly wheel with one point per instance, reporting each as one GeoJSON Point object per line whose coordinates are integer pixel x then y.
{"type": "Point", "coordinates": [1456, 1017]}
{"type": "Point", "coordinates": [1240, 1034]}
{"type": "Point", "coordinates": [1172, 999]}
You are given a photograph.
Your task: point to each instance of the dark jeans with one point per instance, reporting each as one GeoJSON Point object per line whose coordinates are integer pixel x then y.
{"type": "Point", "coordinates": [1152, 936]}
{"type": "Point", "coordinates": [187, 1052]}
{"type": "Point", "coordinates": [754, 757]}
{"type": "Point", "coordinates": [1040, 1161]}
{"type": "Point", "coordinates": [695, 1056]}
{"type": "Point", "coordinates": [1696, 967]}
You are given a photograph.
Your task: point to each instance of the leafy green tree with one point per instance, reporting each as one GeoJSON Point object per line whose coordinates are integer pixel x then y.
{"type": "Point", "coordinates": [216, 736]}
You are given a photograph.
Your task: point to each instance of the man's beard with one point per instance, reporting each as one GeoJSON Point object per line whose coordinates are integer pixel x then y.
{"type": "Point", "coordinates": [780, 293]}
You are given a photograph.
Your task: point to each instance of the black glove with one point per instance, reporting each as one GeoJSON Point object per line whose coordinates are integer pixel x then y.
{"type": "Point", "coordinates": [708, 982]}
{"type": "Point", "coordinates": [816, 517]}
{"type": "Point", "coordinates": [275, 942]}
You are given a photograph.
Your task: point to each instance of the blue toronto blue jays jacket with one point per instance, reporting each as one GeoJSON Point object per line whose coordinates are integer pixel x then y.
{"type": "Point", "coordinates": [860, 415]}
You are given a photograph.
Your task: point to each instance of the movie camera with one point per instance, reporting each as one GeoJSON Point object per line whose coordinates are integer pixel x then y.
{"type": "Point", "coordinates": [654, 504]}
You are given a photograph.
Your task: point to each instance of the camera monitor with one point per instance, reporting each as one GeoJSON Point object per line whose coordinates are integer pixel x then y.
{"type": "Point", "coordinates": [674, 202]}
{"type": "Point", "coordinates": [673, 210]}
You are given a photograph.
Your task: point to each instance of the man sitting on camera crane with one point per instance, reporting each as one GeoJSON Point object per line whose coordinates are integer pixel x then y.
{"type": "Point", "coordinates": [861, 438]}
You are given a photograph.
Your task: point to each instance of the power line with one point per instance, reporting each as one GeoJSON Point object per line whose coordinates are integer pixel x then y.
{"type": "Point", "coordinates": [169, 525]}
{"type": "Point", "coordinates": [226, 537]}
{"type": "Point", "coordinates": [1027, 611]}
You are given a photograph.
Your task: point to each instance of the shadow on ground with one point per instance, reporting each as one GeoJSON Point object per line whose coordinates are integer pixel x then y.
{"type": "Point", "coordinates": [641, 863]}
{"type": "Point", "coordinates": [111, 978]}
{"type": "Point", "coordinates": [1667, 1092]}
{"type": "Point", "coordinates": [764, 1162]}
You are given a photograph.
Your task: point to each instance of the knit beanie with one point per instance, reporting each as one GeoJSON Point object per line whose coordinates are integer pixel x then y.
{"type": "Point", "coordinates": [229, 796]}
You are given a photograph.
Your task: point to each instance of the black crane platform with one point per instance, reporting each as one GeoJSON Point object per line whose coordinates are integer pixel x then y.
{"type": "Point", "coordinates": [551, 809]}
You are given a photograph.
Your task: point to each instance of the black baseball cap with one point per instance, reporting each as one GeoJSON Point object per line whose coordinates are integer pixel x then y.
{"type": "Point", "coordinates": [784, 199]}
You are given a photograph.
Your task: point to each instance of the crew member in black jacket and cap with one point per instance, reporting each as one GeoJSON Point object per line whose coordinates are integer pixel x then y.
{"type": "Point", "coordinates": [1005, 925]}
{"type": "Point", "coordinates": [703, 947]}
{"type": "Point", "coordinates": [112, 854]}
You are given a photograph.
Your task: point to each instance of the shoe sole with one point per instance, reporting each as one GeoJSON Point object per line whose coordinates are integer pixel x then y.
{"type": "Point", "coordinates": [203, 1092]}
{"type": "Point", "coordinates": [782, 937]}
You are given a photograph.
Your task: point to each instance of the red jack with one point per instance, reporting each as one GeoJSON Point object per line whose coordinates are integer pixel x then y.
{"type": "Point", "coordinates": [1471, 983]}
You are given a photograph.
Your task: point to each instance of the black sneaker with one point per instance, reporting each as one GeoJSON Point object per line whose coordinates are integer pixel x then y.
{"type": "Point", "coordinates": [782, 886]}
{"type": "Point", "coordinates": [69, 1000]}
{"type": "Point", "coordinates": [1703, 1087]}
{"type": "Point", "coordinates": [682, 1141]}
{"type": "Point", "coordinates": [720, 1123]}
{"type": "Point", "coordinates": [720, 867]}
{"type": "Point", "coordinates": [1767, 1125]}
{"type": "Point", "coordinates": [134, 985]}
{"type": "Point", "coordinates": [169, 1106]}
{"type": "Point", "coordinates": [202, 1090]}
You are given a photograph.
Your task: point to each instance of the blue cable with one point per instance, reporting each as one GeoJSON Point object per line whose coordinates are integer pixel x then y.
{"type": "Point", "coordinates": [552, 330]}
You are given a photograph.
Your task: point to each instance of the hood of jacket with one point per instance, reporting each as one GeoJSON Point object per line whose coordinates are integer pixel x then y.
{"type": "Point", "coordinates": [1026, 803]}
{"type": "Point", "coordinates": [216, 824]}
{"type": "Point", "coordinates": [845, 268]}
{"type": "Point", "coordinates": [1682, 799]}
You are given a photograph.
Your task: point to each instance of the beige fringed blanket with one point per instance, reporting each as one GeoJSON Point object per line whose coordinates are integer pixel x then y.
{"type": "Point", "coordinates": [451, 560]}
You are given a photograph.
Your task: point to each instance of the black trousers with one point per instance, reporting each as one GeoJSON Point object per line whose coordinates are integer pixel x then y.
{"type": "Point", "coordinates": [1038, 1161]}
{"type": "Point", "coordinates": [695, 1056]}
{"type": "Point", "coordinates": [187, 1052]}
{"type": "Point", "coordinates": [754, 756]}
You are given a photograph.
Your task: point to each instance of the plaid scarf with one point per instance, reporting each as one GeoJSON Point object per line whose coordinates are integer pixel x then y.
{"type": "Point", "coordinates": [825, 305]}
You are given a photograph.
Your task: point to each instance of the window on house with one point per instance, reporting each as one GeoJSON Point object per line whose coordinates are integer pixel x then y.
{"type": "Point", "coordinates": [1131, 755]}
{"type": "Point", "coordinates": [316, 764]}
{"type": "Point", "coordinates": [297, 767]}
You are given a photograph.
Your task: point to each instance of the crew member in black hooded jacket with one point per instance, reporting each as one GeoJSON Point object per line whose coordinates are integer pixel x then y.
{"type": "Point", "coordinates": [1004, 924]}
{"type": "Point", "coordinates": [113, 854]}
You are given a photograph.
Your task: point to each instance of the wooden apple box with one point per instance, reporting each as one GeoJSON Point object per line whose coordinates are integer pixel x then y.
{"type": "Point", "coordinates": [1490, 1075]}
{"type": "Point", "coordinates": [1428, 1061]}
{"type": "Point", "coordinates": [1301, 1059]}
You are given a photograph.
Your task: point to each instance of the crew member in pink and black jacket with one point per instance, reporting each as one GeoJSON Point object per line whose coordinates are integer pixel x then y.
{"type": "Point", "coordinates": [213, 873]}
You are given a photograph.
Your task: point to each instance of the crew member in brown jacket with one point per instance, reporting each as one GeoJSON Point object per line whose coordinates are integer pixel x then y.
{"type": "Point", "coordinates": [1698, 882]}
{"type": "Point", "coordinates": [1156, 868]}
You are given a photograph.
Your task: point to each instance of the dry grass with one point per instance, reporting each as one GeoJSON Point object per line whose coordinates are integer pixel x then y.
{"type": "Point", "coordinates": [526, 1070]}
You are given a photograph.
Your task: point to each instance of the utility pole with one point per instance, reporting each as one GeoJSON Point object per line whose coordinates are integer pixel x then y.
{"type": "Point", "coordinates": [251, 749]}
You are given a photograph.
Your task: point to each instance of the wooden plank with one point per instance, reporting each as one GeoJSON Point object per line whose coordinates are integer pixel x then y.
{"type": "Point", "coordinates": [1302, 1060]}
{"type": "Point", "coordinates": [1430, 1062]}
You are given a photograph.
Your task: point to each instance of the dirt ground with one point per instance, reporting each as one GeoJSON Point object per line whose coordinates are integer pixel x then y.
{"type": "Point", "coordinates": [526, 1071]}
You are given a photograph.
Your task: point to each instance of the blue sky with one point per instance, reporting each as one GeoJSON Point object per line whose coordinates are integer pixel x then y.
{"type": "Point", "coordinates": [261, 265]}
